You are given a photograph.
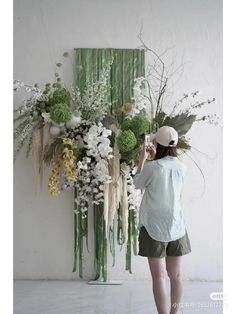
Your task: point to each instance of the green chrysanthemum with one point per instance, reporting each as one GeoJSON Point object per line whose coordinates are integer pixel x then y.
{"type": "Point", "coordinates": [60, 113]}
{"type": "Point", "coordinates": [126, 141]}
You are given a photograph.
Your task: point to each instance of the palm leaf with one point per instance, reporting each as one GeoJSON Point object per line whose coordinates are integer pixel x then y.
{"type": "Point", "coordinates": [183, 144]}
{"type": "Point", "coordinates": [182, 123]}
{"type": "Point", "coordinates": [160, 118]}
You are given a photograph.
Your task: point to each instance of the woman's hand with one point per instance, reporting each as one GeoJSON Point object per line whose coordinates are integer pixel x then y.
{"type": "Point", "coordinates": [144, 154]}
{"type": "Point", "coordinates": [152, 151]}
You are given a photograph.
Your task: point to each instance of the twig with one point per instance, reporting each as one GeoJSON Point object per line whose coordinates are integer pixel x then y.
{"type": "Point", "coordinates": [196, 164]}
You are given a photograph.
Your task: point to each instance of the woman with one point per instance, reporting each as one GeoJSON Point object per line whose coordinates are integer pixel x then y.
{"type": "Point", "coordinates": [163, 238]}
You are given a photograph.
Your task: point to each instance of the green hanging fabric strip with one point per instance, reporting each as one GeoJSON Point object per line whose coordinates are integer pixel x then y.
{"type": "Point", "coordinates": [96, 242]}
{"type": "Point", "coordinates": [112, 242]}
{"type": "Point", "coordinates": [76, 242]}
{"type": "Point", "coordinates": [80, 239]}
{"type": "Point", "coordinates": [80, 230]}
{"type": "Point", "coordinates": [134, 229]}
{"type": "Point", "coordinates": [120, 236]}
{"type": "Point", "coordinates": [100, 243]}
{"type": "Point", "coordinates": [86, 230]}
{"type": "Point", "coordinates": [104, 251]}
{"type": "Point", "coordinates": [129, 246]}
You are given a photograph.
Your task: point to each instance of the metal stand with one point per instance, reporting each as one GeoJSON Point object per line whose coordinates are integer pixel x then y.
{"type": "Point", "coordinates": [108, 282]}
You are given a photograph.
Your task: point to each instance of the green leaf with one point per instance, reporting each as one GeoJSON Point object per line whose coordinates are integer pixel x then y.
{"type": "Point", "coordinates": [160, 117]}
{"type": "Point", "coordinates": [183, 143]}
{"type": "Point", "coordinates": [108, 120]}
{"type": "Point", "coordinates": [182, 123]}
{"type": "Point", "coordinates": [52, 150]}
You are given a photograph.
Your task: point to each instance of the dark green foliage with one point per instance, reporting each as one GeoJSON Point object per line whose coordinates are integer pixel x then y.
{"type": "Point", "coordinates": [181, 122]}
{"type": "Point", "coordinates": [160, 118]}
{"type": "Point", "coordinates": [108, 120]}
{"type": "Point", "coordinates": [52, 150]}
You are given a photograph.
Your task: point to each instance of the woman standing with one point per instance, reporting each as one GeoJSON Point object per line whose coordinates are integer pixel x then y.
{"type": "Point", "coordinates": [163, 237]}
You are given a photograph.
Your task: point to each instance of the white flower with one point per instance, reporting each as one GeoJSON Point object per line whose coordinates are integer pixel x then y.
{"type": "Point", "coordinates": [139, 99]}
{"type": "Point", "coordinates": [97, 141]}
{"type": "Point", "coordinates": [17, 85]}
{"type": "Point", "coordinates": [134, 195]}
{"type": "Point", "coordinates": [46, 117]}
{"type": "Point", "coordinates": [74, 122]}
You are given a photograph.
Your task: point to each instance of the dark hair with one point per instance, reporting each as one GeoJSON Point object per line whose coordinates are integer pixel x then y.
{"type": "Point", "coordinates": [163, 151]}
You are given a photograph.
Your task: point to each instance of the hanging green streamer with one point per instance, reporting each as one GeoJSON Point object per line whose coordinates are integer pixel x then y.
{"type": "Point", "coordinates": [129, 246]}
{"type": "Point", "coordinates": [76, 243]}
{"type": "Point", "coordinates": [120, 235]}
{"type": "Point", "coordinates": [100, 243]}
{"type": "Point", "coordinates": [134, 231]}
{"type": "Point", "coordinates": [80, 231]}
{"type": "Point", "coordinates": [80, 236]}
{"type": "Point", "coordinates": [112, 242]}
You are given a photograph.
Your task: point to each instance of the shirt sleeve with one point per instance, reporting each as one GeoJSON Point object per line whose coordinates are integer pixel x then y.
{"type": "Point", "coordinates": [143, 179]}
{"type": "Point", "coordinates": [184, 170]}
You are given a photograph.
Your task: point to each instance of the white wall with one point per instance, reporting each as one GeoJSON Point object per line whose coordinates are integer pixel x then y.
{"type": "Point", "coordinates": [43, 30]}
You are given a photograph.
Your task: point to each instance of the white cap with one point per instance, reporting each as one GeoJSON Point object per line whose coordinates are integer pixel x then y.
{"type": "Point", "coordinates": [165, 135]}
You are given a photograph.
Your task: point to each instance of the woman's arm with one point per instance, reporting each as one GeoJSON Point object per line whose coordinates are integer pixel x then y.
{"type": "Point", "coordinates": [143, 157]}
{"type": "Point", "coordinates": [144, 173]}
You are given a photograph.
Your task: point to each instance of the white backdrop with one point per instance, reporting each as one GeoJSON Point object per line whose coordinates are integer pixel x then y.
{"type": "Point", "coordinates": [43, 31]}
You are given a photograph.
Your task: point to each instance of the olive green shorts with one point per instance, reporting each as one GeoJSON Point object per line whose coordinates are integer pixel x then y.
{"type": "Point", "coordinates": [151, 248]}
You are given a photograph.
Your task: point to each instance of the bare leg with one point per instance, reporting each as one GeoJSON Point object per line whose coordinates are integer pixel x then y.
{"type": "Point", "coordinates": [158, 272]}
{"type": "Point", "coordinates": [173, 267]}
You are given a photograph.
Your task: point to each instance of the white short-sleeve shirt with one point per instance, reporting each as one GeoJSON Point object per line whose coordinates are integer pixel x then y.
{"type": "Point", "coordinates": [160, 211]}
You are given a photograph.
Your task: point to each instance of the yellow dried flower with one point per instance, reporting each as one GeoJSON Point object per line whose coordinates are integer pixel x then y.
{"type": "Point", "coordinates": [69, 161]}
{"type": "Point", "coordinates": [69, 141]}
{"type": "Point", "coordinates": [53, 181]}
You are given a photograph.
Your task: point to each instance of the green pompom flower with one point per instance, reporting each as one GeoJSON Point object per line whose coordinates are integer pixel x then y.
{"type": "Point", "coordinates": [66, 54]}
{"type": "Point", "coordinates": [61, 95]}
{"type": "Point", "coordinates": [126, 125]}
{"type": "Point", "coordinates": [126, 141]}
{"type": "Point", "coordinates": [139, 125]}
{"type": "Point", "coordinates": [134, 154]}
{"type": "Point", "coordinates": [60, 113]}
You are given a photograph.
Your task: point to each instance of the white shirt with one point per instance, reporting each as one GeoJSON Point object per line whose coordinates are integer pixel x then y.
{"type": "Point", "coordinates": [160, 211]}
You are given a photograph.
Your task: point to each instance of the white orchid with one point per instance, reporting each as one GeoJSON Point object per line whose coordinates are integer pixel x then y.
{"type": "Point", "coordinates": [134, 195]}
{"type": "Point", "coordinates": [74, 122]}
{"type": "Point", "coordinates": [139, 98]}
{"type": "Point", "coordinates": [97, 142]}
{"type": "Point", "coordinates": [46, 116]}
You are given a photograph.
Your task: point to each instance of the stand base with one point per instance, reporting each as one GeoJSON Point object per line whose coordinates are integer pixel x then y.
{"type": "Point", "coordinates": [108, 282]}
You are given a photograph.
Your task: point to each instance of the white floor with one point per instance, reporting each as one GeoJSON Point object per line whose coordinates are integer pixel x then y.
{"type": "Point", "coordinates": [132, 297]}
